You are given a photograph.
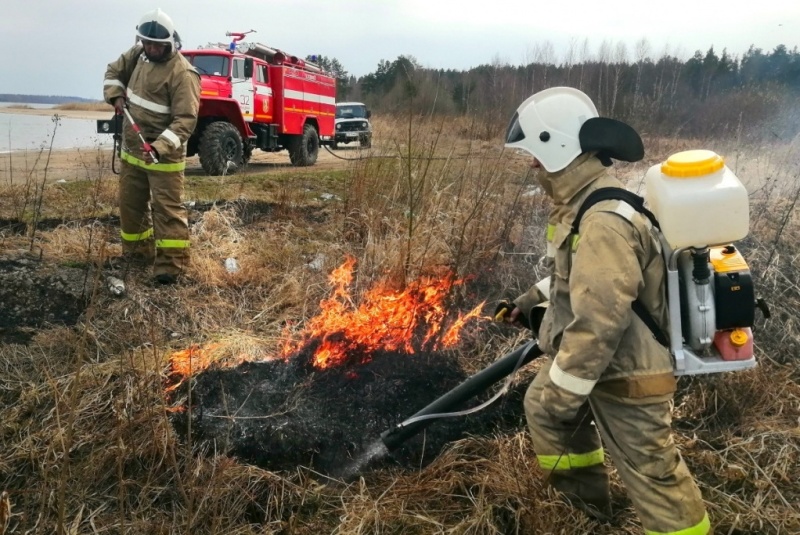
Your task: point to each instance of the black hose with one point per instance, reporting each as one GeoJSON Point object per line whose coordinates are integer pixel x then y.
{"type": "Point", "coordinates": [474, 385]}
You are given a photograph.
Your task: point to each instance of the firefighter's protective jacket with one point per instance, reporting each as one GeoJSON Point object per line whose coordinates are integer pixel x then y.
{"type": "Point", "coordinates": [598, 342]}
{"type": "Point", "coordinates": [164, 100]}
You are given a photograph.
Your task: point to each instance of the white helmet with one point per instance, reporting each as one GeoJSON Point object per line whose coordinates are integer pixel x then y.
{"type": "Point", "coordinates": [156, 26]}
{"type": "Point", "coordinates": [548, 124]}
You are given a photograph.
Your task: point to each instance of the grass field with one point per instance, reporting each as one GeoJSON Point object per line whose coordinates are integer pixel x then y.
{"type": "Point", "coordinates": [87, 441]}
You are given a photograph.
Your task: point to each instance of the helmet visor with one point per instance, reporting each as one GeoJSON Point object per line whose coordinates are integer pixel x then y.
{"type": "Point", "coordinates": [153, 30]}
{"type": "Point", "coordinates": [514, 131]}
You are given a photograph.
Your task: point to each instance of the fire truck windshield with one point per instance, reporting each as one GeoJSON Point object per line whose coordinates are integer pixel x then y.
{"type": "Point", "coordinates": [351, 112]}
{"type": "Point", "coordinates": [211, 65]}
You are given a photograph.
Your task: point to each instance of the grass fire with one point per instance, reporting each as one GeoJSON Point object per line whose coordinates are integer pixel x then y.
{"type": "Point", "coordinates": [349, 371]}
{"type": "Point", "coordinates": [242, 402]}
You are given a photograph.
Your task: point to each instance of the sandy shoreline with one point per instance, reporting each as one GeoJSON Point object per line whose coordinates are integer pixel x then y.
{"type": "Point", "coordinates": [74, 114]}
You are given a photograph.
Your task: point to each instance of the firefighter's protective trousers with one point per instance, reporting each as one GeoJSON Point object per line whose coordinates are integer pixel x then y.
{"type": "Point", "coordinates": [606, 366]}
{"type": "Point", "coordinates": [152, 215]}
{"type": "Point", "coordinates": [637, 437]}
{"type": "Point", "coordinates": [163, 98]}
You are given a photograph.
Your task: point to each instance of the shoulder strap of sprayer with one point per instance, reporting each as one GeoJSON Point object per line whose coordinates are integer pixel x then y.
{"type": "Point", "coordinates": [637, 202]}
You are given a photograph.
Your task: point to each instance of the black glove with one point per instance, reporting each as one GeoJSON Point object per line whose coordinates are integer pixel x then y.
{"type": "Point", "coordinates": [535, 318]}
{"type": "Point", "coordinates": [531, 321]}
{"type": "Point", "coordinates": [504, 308]}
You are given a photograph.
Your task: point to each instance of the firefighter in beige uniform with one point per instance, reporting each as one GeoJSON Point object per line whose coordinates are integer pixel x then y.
{"type": "Point", "coordinates": [162, 92]}
{"type": "Point", "coordinates": [606, 364]}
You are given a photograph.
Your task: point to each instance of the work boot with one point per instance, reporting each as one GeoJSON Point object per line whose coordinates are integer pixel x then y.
{"type": "Point", "coordinates": [586, 489]}
{"type": "Point", "coordinates": [128, 261]}
{"type": "Point", "coordinates": [595, 509]}
{"type": "Point", "coordinates": [166, 278]}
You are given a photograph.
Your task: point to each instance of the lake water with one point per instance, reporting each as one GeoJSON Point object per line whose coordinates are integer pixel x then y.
{"type": "Point", "coordinates": [32, 132]}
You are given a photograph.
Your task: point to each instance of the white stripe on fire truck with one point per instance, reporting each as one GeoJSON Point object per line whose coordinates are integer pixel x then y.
{"type": "Point", "coordinates": [309, 97]}
{"type": "Point", "coordinates": [148, 104]}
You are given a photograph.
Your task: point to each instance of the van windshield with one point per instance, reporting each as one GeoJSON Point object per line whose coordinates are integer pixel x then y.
{"type": "Point", "coordinates": [211, 65]}
{"type": "Point", "coordinates": [351, 112]}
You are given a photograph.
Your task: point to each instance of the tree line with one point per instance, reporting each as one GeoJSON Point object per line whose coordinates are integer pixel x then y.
{"type": "Point", "coordinates": [709, 94]}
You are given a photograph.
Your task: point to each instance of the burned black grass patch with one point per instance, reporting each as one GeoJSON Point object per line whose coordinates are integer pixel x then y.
{"type": "Point", "coordinates": [283, 414]}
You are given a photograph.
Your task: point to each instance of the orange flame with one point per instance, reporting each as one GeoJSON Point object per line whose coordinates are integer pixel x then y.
{"type": "Point", "coordinates": [409, 320]}
{"type": "Point", "coordinates": [187, 361]}
{"type": "Point", "coordinates": [412, 319]}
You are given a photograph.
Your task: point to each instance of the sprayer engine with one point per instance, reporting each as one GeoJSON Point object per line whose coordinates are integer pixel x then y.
{"type": "Point", "coordinates": [712, 307]}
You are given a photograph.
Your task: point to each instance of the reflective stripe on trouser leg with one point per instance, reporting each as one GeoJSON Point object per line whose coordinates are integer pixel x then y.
{"type": "Point", "coordinates": [560, 445]}
{"type": "Point", "coordinates": [136, 227]}
{"type": "Point", "coordinates": [170, 221]}
{"type": "Point", "coordinates": [569, 452]}
{"type": "Point", "coordinates": [639, 440]}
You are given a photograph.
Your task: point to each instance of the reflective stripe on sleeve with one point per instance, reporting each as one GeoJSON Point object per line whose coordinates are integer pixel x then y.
{"type": "Point", "coordinates": [165, 167]}
{"type": "Point", "coordinates": [172, 137]}
{"type": "Point", "coordinates": [702, 528]}
{"type": "Point", "coordinates": [569, 382]}
{"type": "Point", "coordinates": [139, 236]}
{"type": "Point", "coordinates": [544, 288]}
{"type": "Point", "coordinates": [172, 244]}
{"type": "Point", "coordinates": [569, 461]}
{"type": "Point", "coordinates": [110, 82]}
{"type": "Point", "coordinates": [148, 104]}
{"type": "Point", "coordinates": [627, 211]}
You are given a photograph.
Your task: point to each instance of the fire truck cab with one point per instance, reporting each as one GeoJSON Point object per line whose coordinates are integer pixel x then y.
{"type": "Point", "coordinates": [257, 97]}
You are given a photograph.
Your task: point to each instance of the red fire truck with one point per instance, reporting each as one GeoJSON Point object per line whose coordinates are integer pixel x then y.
{"type": "Point", "coordinates": [254, 96]}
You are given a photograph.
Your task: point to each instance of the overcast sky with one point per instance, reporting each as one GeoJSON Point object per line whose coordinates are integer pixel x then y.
{"type": "Point", "coordinates": [62, 47]}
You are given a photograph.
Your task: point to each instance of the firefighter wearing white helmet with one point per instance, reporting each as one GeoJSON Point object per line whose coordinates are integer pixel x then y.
{"type": "Point", "coordinates": [161, 90]}
{"type": "Point", "coordinates": [605, 366]}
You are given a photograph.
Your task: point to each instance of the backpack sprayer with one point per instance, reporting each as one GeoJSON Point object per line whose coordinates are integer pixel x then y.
{"type": "Point", "coordinates": [699, 207]}
{"type": "Point", "coordinates": [703, 208]}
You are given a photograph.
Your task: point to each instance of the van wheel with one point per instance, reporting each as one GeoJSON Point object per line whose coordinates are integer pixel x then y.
{"type": "Point", "coordinates": [221, 150]}
{"type": "Point", "coordinates": [304, 149]}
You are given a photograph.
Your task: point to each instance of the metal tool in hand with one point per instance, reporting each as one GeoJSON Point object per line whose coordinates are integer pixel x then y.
{"type": "Point", "coordinates": [147, 147]}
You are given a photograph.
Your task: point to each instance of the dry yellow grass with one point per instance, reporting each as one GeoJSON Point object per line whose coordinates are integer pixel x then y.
{"type": "Point", "coordinates": [85, 106]}
{"type": "Point", "coordinates": [87, 446]}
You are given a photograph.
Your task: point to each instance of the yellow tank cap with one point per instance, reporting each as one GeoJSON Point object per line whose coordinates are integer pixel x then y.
{"type": "Point", "coordinates": [738, 337]}
{"type": "Point", "coordinates": [692, 163]}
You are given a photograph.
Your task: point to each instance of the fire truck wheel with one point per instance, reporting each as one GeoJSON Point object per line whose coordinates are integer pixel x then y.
{"type": "Point", "coordinates": [221, 151]}
{"type": "Point", "coordinates": [305, 148]}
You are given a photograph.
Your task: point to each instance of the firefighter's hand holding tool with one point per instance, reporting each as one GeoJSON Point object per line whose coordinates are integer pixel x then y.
{"type": "Point", "coordinates": [119, 105]}
{"type": "Point", "coordinates": [508, 312]}
{"type": "Point", "coordinates": [150, 154]}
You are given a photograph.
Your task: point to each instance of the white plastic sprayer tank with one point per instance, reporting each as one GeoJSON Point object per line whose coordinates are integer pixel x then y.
{"type": "Point", "coordinates": [697, 200]}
